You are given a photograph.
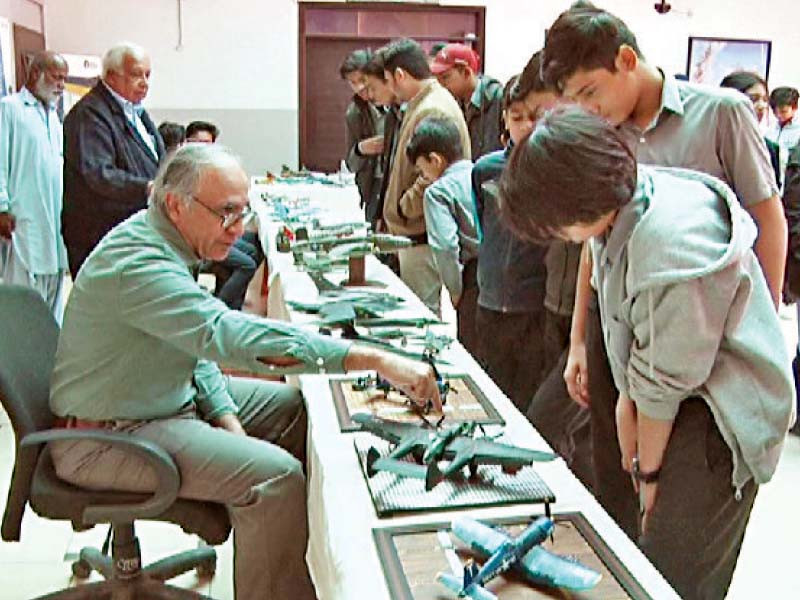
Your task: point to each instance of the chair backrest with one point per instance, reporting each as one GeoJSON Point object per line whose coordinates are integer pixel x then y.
{"type": "Point", "coordinates": [28, 339]}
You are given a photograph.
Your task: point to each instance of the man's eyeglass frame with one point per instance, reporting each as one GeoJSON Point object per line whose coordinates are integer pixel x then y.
{"type": "Point", "coordinates": [230, 219]}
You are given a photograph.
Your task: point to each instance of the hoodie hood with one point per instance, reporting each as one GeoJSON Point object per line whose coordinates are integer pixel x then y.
{"type": "Point", "coordinates": [719, 232]}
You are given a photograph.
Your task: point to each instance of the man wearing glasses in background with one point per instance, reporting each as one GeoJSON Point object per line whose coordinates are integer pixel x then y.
{"type": "Point", "coordinates": [111, 153]}
{"type": "Point", "coordinates": [138, 353]}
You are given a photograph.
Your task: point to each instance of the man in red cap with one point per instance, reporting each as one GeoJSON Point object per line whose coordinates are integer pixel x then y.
{"type": "Point", "coordinates": [456, 67]}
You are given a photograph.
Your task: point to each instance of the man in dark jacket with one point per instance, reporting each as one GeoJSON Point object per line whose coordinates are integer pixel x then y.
{"type": "Point", "coordinates": [456, 67]}
{"type": "Point", "coordinates": [111, 153]}
{"type": "Point", "coordinates": [364, 134]}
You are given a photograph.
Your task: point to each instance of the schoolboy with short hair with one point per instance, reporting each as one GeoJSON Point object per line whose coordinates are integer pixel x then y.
{"type": "Point", "coordinates": [436, 150]}
{"type": "Point", "coordinates": [786, 130]}
{"type": "Point", "coordinates": [511, 272]}
{"type": "Point", "coordinates": [676, 278]}
{"type": "Point", "coordinates": [594, 59]}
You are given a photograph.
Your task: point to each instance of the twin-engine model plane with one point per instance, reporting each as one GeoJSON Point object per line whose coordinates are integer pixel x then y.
{"type": "Point", "coordinates": [524, 554]}
{"type": "Point", "coordinates": [429, 445]}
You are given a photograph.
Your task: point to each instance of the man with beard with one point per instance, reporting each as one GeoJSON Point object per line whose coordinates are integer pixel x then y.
{"type": "Point", "coordinates": [32, 251]}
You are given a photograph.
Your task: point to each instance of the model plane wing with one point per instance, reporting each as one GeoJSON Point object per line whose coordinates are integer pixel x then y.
{"type": "Point", "coordinates": [541, 566]}
{"type": "Point", "coordinates": [399, 467]}
{"type": "Point", "coordinates": [337, 312]}
{"type": "Point", "coordinates": [480, 537]}
{"type": "Point", "coordinates": [391, 431]}
{"type": "Point", "coordinates": [485, 448]}
{"type": "Point", "coordinates": [459, 461]}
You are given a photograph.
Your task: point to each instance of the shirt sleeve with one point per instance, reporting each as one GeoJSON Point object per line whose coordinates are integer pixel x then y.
{"type": "Point", "coordinates": [676, 335]}
{"type": "Point", "coordinates": [443, 238]}
{"type": "Point", "coordinates": [6, 130]}
{"type": "Point", "coordinates": [743, 153]}
{"type": "Point", "coordinates": [355, 161]}
{"type": "Point", "coordinates": [159, 296]}
{"type": "Point", "coordinates": [213, 399]}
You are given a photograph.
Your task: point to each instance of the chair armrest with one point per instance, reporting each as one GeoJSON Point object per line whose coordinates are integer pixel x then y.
{"type": "Point", "coordinates": [166, 471]}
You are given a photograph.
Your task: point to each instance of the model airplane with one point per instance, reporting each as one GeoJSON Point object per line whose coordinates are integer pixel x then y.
{"type": "Point", "coordinates": [363, 305]}
{"type": "Point", "coordinates": [428, 446]}
{"type": "Point", "coordinates": [378, 242]}
{"type": "Point", "coordinates": [523, 554]}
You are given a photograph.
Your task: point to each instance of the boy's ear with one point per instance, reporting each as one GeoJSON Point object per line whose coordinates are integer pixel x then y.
{"type": "Point", "coordinates": [626, 59]}
{"type": "Point", "coordinates": [438, 159]}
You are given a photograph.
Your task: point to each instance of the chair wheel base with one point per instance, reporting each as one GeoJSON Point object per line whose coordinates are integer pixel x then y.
{"type": "Point", "coordinates": [206, 570]}
{"type": "Point", "coordinates": [81, 569]}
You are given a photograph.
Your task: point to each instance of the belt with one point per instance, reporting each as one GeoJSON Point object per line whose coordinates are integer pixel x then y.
{"type": "Point", "coordinates": [419, 239]}
{"type": "Point", "coordinates": [76, 423]}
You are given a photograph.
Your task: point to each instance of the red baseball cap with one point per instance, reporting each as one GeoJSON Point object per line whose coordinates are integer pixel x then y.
{"type": "Point", "coordinates": [452, 55]}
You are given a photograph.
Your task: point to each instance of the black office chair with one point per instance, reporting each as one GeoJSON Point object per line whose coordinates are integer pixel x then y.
{"type": "Point", "coordinates": [28, 336]}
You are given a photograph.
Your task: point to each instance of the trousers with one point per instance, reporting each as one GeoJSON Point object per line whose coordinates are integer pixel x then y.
{"type": "Point", "coordinates": [49, 286]}
{"type": "Point", "coordinates": [418, 271]}
{"type": "Point", "coordinates": [510, 350]}
{"type": "Point", "coordinates": [242, 261]}
{"type": "Point", "coordinates": [259, 478]}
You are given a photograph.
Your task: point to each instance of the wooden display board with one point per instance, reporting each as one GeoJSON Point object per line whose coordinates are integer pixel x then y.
{"type": "Point", "coordinates": [465, 402]}
{"type": "Point", "coordinates": [412, 555]}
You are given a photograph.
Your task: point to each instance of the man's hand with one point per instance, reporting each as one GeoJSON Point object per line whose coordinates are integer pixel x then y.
{"type": "Point", "coordinates": [7, 225]}
{"type": "Point", "coordinates": [413, 378]}
{"type": "Point", "coordinates": [576, 374]}
{"type": "Point", "coordinates": [627, 432]}
{"type": "Point", "coordinates": [230, 422]}
{"type": "Point", "coordinates": [371, 146]}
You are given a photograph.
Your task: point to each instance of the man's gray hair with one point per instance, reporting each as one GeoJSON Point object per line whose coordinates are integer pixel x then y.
{"type": "Point", "coordinates": [45, 59]}
{"type": "Point", "coordinates": [181, 172]}
{"type": "Point", "coordinates": [114, 58]}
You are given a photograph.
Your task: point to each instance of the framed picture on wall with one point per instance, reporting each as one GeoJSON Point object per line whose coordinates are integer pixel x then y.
{"type": "Point", "coordinates": [711, 59]}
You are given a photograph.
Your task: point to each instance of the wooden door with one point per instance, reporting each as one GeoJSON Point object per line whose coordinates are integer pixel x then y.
{"type": "Point", "coordinates": [330, 31]}
{"type": "Point", "coordinates": [27, 43]}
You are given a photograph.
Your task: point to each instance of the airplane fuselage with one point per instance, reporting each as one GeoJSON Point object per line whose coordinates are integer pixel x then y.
{"type": "Point", "coordinates": [512, 551]}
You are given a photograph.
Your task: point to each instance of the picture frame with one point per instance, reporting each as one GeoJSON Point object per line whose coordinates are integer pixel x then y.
{"type": "Point", "coordinates": [710, 59]}
{"type": "Point", "coordinates": [409, 576]}
{"type": "Point", "coordinates": [476, 407]}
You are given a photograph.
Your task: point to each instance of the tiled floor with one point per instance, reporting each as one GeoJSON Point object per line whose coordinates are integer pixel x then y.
{"type": "Point", "coordinates": [40, 562]}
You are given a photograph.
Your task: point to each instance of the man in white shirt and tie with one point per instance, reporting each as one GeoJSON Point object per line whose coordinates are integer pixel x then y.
{"type": "Point", "coordinates": [32, 251]}
{"type": "Point", "coordinates": [111, 152]}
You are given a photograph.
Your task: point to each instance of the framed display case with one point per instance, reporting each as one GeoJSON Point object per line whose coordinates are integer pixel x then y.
{"type": "Point", "coordinates": [465, 402]}
{"type": "Point", "coordinates": [412, 555]}
{"type": "Point", "coordinates": [710, 59]}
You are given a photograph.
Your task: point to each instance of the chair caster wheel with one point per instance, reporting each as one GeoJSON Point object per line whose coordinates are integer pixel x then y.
{"type": "Point", "coordinates": [206, 570]}
{"type": "Point", "coordinates": [81, 569]}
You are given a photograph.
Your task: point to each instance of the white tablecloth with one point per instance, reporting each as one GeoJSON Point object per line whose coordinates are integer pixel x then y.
{"type": "Point", "coordinates": [342, 555]}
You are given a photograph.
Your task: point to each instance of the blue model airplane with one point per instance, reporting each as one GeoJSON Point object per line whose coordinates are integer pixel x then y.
{"type": "Point", "coordinates": [523, 553]}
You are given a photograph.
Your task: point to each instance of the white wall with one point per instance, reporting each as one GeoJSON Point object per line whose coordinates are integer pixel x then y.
{"type": "Point", "coordinates": [238, 61]}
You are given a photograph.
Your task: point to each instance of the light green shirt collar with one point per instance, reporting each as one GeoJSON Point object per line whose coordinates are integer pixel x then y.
{"type": "Point", "coordinates": [161, 223]}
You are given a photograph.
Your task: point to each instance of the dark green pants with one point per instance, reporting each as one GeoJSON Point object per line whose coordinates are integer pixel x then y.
{"type": "Point", "coordinates": [697, 525]}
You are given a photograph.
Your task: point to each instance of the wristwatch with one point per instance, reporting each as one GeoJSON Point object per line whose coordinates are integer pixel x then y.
{"type": "Point", "coordinates": [645, 477]}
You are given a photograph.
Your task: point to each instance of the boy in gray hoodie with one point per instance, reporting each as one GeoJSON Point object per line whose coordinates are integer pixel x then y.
{"type": "Point", "coordinates": [705, 387]}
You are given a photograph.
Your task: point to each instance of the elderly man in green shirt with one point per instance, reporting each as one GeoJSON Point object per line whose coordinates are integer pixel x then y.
{"type": "Point", "coordinates": [138, 353]}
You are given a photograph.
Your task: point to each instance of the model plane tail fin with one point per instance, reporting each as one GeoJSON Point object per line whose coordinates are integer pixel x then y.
{"type": "Point", "coordinates": [433, 476]}
{"type": "Point", "coordinates": [372, 456]}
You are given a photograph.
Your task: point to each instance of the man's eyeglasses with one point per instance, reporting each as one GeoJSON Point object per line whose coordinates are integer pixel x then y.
{"type": "Point", "coordinates": [229, 219]}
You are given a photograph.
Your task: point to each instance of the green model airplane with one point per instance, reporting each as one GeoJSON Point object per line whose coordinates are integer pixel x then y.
{"type": "Point", "coordinates": [428, 446]}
